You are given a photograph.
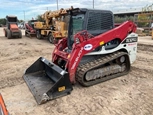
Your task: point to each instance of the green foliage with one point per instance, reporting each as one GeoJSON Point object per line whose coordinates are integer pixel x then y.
{"type": "Point", "coordinates": [143, 19]}
{"type": "Point", "coordinates": [39, 18]}
{"type": "Point", "coordinates": [20, 21]}
{"type": "Point", "coordinates": [123, 19]}
{"type": "Point", "coordinates": [143, 24]}
{"type": "Point", "coordinates": [2, 21]}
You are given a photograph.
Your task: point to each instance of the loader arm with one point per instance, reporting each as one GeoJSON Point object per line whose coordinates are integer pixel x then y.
{"type": "Point", "coordinates": [83, 44]}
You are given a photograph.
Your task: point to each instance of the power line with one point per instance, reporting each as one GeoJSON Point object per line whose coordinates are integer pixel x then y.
{"type": "Point", "coordinates": [57, 4]}
{"type": "Point", "coordinates": [24, 15]}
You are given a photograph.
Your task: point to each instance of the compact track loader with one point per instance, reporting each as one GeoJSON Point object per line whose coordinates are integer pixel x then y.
{"type": "Point", "coordinates": [94, 51]}
{"type": "Point", "coordinates": [11, 30]}
{"type": "Point", "coordinates": [29, 28]}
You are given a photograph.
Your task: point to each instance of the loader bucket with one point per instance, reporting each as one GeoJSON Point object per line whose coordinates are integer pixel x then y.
{"type": "Point", "coordinates": [47, 81]}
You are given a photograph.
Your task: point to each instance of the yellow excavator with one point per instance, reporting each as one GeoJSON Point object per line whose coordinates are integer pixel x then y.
{"type": "Point", "coordinates": [54, 26]}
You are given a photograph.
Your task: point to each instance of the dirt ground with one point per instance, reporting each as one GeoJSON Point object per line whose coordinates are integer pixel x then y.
{"type": "Point", "coordinates": [131, 94]}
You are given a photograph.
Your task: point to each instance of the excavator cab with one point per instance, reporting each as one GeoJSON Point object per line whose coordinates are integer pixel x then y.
{"type": "Point", "coordinates": [93, 52]}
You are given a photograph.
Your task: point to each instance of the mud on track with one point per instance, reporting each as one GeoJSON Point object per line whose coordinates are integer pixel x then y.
{"type": "Point", "coordinates": [131, 94]}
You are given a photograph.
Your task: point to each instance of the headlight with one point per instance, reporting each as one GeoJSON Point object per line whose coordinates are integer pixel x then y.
{"type": "Point", "coordinates": [77, 41]}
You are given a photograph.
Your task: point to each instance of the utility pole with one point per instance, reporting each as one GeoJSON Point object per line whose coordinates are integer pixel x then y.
{"type": "Point", "coordinates": [24, 15]}
{"type": "Point", "coordinates": [93, 4]}
{"type": "Point", "coordinates": [57, 4]}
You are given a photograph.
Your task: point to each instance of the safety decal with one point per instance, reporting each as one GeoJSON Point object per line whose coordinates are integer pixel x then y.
{"type": "Point", "coordinates": [77, 58]}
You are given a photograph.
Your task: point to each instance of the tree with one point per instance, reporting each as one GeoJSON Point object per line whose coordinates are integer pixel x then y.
{"type": "Point", "coordinates": [39, 18]}
{"type": "Point", "coordinates": [123, 19]}
{"type": "Point", "coordinates": [3, 21]}
{"type": "Point", "coordinates": [20, 21]}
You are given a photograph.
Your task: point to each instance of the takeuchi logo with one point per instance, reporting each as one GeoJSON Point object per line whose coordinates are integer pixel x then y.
{"type": "Point", "coordinates": [88, 47]}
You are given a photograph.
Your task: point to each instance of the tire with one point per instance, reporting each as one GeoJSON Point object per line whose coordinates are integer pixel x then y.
{"type": "Point", "coordinates": [8, 34]}
{"type": "Point", "coordinates": [51, 39]}
{"type": "Point", "coordinates": [5, 32]}
{"type": "Point", "coordinates": [20, 34]}
{"type": "Point", "coordinates": [26, 34]}
{"type": "Point", "coordinates": [38, 35]}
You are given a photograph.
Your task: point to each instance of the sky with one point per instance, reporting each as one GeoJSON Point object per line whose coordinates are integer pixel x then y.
{"type": "Point", "coordinates": [28, 9]}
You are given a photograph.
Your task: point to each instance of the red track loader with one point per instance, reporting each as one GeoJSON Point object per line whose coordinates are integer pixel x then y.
{"type": "Point", "coordinates": [94, 51]}
{"type": "Point", "coordinates": [3, 110]}
{"type": "Point", "coordinates": [29, 28]}
{"type": "Point", "coordinates": [12, 29]}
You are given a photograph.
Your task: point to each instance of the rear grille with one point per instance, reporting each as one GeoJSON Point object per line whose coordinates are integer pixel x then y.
{"type": "Point", "coordinates": [100, 21]}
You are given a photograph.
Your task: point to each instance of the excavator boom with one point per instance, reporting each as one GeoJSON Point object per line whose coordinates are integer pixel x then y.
{"type": "Point", "coordinates": [54, 27]}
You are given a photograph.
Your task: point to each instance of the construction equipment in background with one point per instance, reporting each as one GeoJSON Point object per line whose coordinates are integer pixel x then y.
{"type": "Point", "coordinates": [152, 34]}
{"type": "Point", "coordinates": [144, 20]}
{"type": "Point", "coordinates": [21, 25]}
{"type": "Point", "coordinates": [11, 30]}
{"type": "Point", "coordinates": [54, 26]}
{"type": "Point", "coordinates": [3, 110]}
{"type": "Point", "coordinates": [94, 51]}
{"type": "Point", "coordinates": [29, 28]}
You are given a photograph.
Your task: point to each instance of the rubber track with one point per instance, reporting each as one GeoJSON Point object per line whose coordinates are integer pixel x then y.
{"type": "Point", "coordinates": [84, 68]}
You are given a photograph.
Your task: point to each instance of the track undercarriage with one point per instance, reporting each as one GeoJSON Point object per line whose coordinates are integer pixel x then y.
{"type": "Point", "coordinates": [102, 69]}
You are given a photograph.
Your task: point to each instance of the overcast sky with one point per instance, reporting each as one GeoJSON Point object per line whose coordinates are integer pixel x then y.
{"type": "Point", "coordinates": [32, 8]}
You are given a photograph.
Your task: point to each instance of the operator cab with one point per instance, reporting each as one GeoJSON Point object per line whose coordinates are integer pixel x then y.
{"type": "Point", "coordinates": [11, 20]}
{"type": "Point", "coordinates": [94, 21]}
{"type": "Point", "coordinates": [31, 23]}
